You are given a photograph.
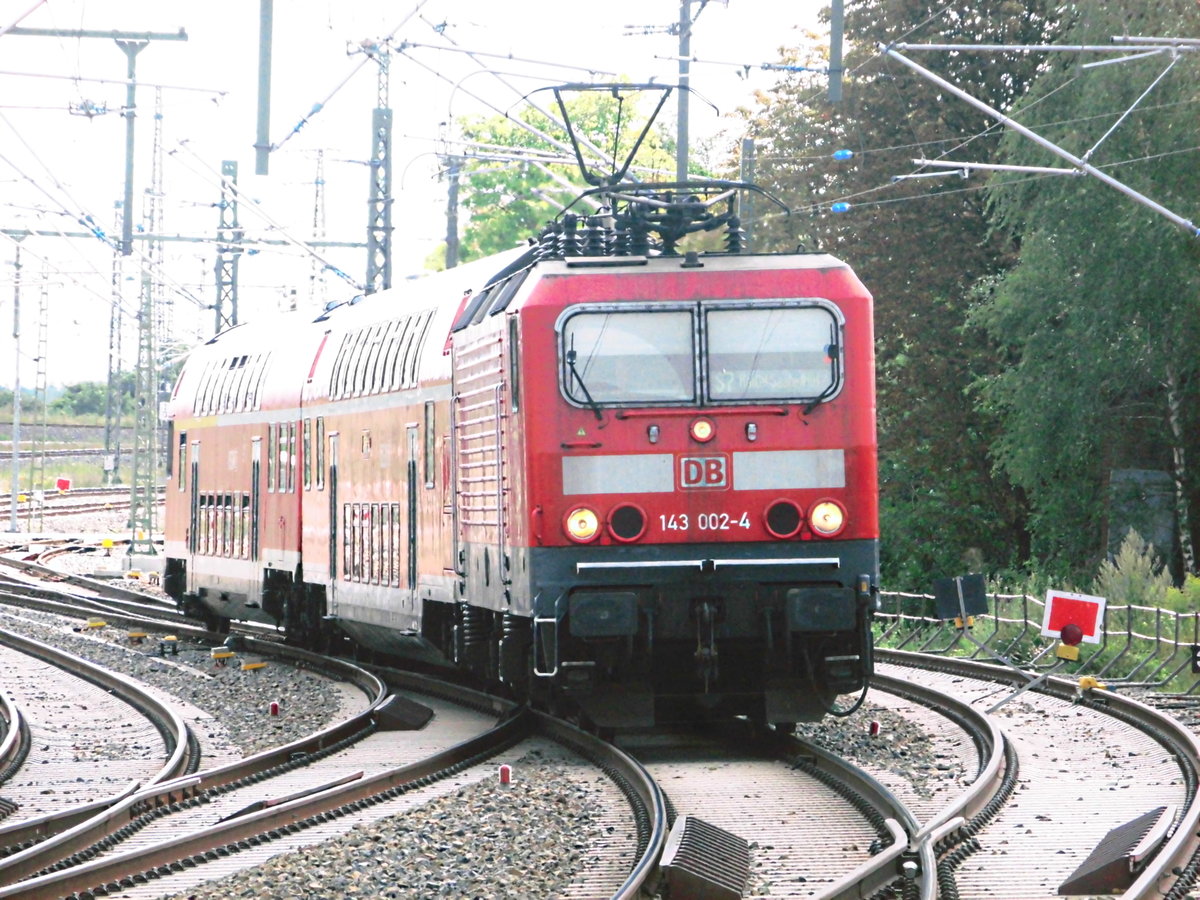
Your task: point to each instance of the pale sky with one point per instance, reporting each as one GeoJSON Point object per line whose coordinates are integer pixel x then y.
{"type": "Point", "coordinates": [58, 164]}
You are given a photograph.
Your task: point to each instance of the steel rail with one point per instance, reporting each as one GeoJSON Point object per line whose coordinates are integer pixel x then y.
{"type": "Point", "coordinates": [104, 589]}
{"type": "Point", "coordinates": [283, 818]}
{"type": "Point", "coordinates": [913, 840]}
{"type": "Point", "coordinates": [1181, 851]}
{"type": "Point", "coordinates": [643, 793]}
{"type": "Point", "coordinates": [15, 742]}
{"type": "Point", "coordinates": [169, 723]}
{"type": "Point", "coordinates": [61, 835]}
{"type": "Point", "coordinates": [883, 868]}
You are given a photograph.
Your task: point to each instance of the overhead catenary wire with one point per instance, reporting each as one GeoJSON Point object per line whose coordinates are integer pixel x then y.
{"type": "Point", "coordinates": [132, 314]}
{"type": "Point", "coordinates": [992, 130]}
{"type": "Point", "coordinates": [17, 21]}
{"type": "Point", "coordinates": [87, 220]}
{"type": "Point", "coordinates": [532, 129]}
{"type": "Point", "coordinates": [1026, 132]}
{"type": "Point", "coordinates": [1081, 164]}
{"type": "Point", "coordinates": [126, 82]}
{"type": "Point", "coordinates": [215, 178]}
{"type": "Point", "coordinates": [551, 117]}
{"type": "Point", "coordinates": [317, 107]}
{"type": "Point", "coordinates": [950, 192]}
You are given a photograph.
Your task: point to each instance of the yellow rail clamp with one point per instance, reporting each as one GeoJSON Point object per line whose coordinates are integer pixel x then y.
{"type": "Point", "coordinates": [253, 667]}
{"type": "Point", "coordinates": [94, 622]}
{"type": "Point", "coordinates": [168, 644]}
{"type": "Point", "coordinates": [221, 656]}
{"type": "Point", "coordinates": [1066, 651]}
{"type": "Point", "coordinates": [133, 575]}
{"type": "Point", "coordinates": [1088, 683]}
{"type": "Point", "coordinates": [137, 636]}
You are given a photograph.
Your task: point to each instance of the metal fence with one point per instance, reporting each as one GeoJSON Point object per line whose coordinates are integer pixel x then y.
{"type": "Point", "coordinates": [1139, 647]}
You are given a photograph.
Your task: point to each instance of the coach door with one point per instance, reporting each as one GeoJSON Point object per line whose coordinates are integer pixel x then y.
{"type": "Point", "coordinates": [414, 449]}
{"type": "Point", "coordinates": [194, 502]}
{"type": "Point", "coordinates": [334, 519]}
{"type": "Point", "coordinates": [255, 499]}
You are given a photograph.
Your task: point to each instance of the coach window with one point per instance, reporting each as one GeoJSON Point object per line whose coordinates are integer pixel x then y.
{"type": "Point", "coordinates": [214, 524]}
{"type": "Point", "coordinates": [339, 365]}
{"type": "Point", "coordinates": [430, 441]}
{"type": "Point", "coordinates": [320, 453]}
{"type": "Point", "coordinates": [347, 541]}
{"type": "Point", "coordinates": [233, 399]}
{"type": "Point", "coordinates": [361, 350]}
{"type": "Point", "coordinates": [422, 329]}
{"type": "Point", "coordinates": [628, 356]}
{"type": "Point", "coordinates": [288, 457]}
{"type": "Point", "coordinates": [183, 460]}
{"type": "Point", "coordinates": [514, 381]}
{"type": "Point", "coordinates": [374, 349]}
{"type": "Point", "coordinates": [307, 451]}
{"type": "Point", "coordinates": [222, 392]}
{"type": "Point", "coordinates": [241, 502]}
{"type": "Point", "coordinates": [200, 406]}
{"type": "Point", "coordinates": [406, 351]}
{"type": "Point", "coordinates": [780, 353]}
{"type": "Point", "coordinates": [272, 455]}
{"type": "Point", "coordinates": [227, 525]}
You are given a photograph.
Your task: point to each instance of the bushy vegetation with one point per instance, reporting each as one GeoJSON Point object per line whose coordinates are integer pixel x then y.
{"type": "Point", "coordinates": [1033, 335]}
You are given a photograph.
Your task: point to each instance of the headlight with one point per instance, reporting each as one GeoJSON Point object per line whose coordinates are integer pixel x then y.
{"type": "Point", "coordinates": [582, 524]}
{"type": "Point", "coordinates": [703, 430]}
{"type": "Point", "coordinates": [827, 518]}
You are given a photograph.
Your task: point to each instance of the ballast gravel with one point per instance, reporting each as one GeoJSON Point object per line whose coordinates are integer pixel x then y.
{"type": "Point", "coordinates": [236, 704]}
{"type": "Point", "coordinates": [486, 840]}
{"type": "Point", "coordinates": [899, 746]}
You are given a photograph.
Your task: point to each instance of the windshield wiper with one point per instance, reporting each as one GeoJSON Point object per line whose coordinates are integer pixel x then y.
{"type": "Point", "coordinates": [595, 407]}
{"type": "Point", "coordinates": [819, 399]}
{"type": "Point", "coordinates": [834, 352]}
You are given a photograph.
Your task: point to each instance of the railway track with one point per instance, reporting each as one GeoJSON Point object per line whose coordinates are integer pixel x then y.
{"type": "Point", "coordinates": [1087, 762]}
{"type": "Point", "coordinates": [79, 718]}
{"type": "Point", "coordinates": [92, 855]}
{"type": "Point", "coordinates": [991, 820]}
{"type": "Point", "coordinates": [78, 501]}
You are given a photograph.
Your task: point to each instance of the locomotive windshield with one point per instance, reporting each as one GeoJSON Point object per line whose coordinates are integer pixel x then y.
{"type": "Point", "coordinates": [630, 357]}
{"type": "Point", "coordinates": [788, 351]}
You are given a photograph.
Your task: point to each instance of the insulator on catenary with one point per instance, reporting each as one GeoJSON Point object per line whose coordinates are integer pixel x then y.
{"type": "Point", "coordinates": [840, 207]}
{"type": "Point", "coordinates": [843, 154]}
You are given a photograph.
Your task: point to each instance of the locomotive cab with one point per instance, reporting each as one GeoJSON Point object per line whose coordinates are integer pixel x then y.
{"type": "Point", "coordinates": [702, 476]}
{"type": "Point", "coordinates": [668, 500]}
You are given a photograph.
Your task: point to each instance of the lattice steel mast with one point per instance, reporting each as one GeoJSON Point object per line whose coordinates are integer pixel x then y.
{"type": "Point", "coordinates": [379, 224]}
{"type": "Point", "coordinates": [229, 249]}
{"type": "Point", "coordinates": [143, 497]}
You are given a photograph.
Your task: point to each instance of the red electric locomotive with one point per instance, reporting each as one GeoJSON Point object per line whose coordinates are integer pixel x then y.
{"type": "Point", "coordinates": [608, 475]}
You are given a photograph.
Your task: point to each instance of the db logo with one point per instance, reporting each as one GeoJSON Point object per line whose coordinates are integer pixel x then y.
{"type": "Point", "coordinates": [703, 472]}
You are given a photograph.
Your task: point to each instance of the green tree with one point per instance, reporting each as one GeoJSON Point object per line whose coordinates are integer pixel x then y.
{"type": "Point", "coordinates": [517, 180]}
{"type": "Point", "coordinates": [920, 246]}
{"type": "Point", "coordinates": [1100, 319]}
{"type": "Point", "coordinates": [91, 397]}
